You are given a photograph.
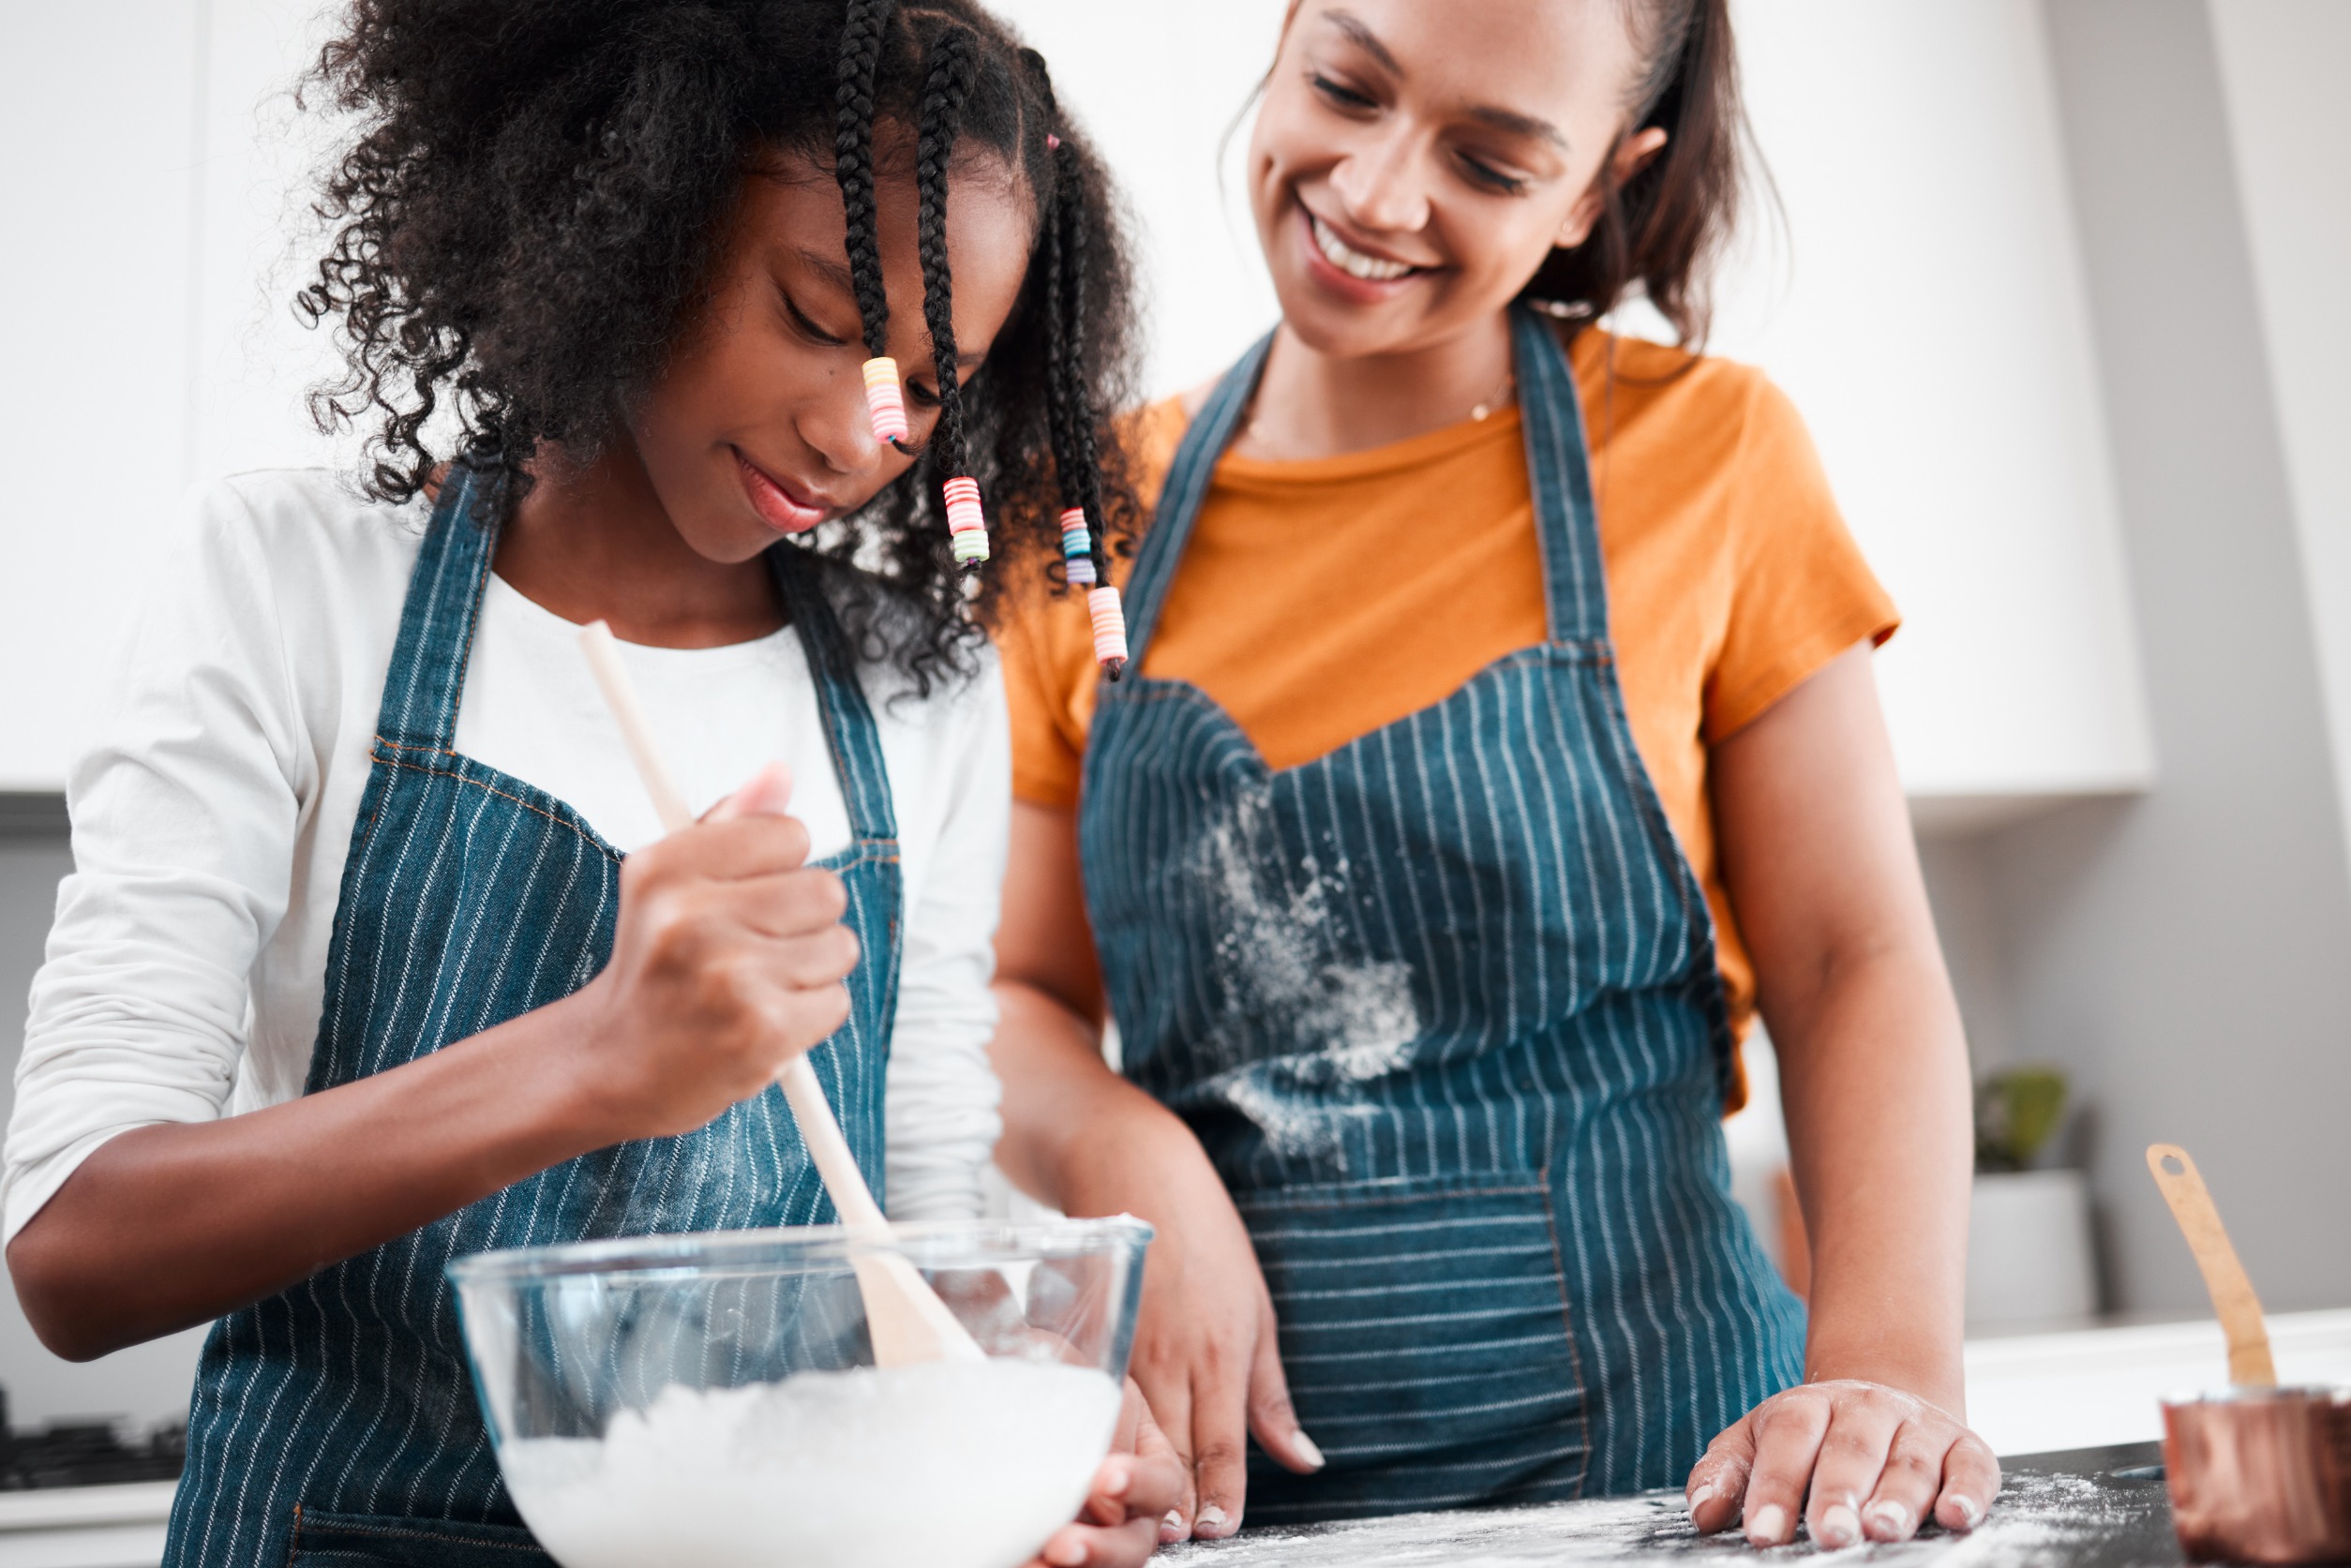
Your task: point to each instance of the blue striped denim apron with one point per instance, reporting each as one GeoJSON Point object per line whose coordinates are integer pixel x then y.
{"type": "Point", "coordinates": [1442, 1007]}
{"type": "Point", "coordinates": [336, 1422]}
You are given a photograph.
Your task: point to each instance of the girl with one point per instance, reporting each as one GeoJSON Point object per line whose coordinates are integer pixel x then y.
{"type": "Point", "coordinates": [353, 976]}
{"type": "Point", "coordinates": [1504, 738]}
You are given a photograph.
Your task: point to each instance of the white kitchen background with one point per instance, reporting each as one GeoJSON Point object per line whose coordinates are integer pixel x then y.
{"type": "Point", "coordinates": [2057, 283]}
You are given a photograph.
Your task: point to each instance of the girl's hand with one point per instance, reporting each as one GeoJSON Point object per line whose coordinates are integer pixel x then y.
{"type": "Point", "coordinates": [1874, 1459]}
{"type": "Point", "coordinates": [1138, 1484]}
{"type": "Point", "coordinates": [727, 963]}
{"type": "Point", "coordinates": [1205, 1350]}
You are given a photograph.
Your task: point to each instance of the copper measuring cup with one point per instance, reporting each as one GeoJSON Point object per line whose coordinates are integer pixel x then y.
{"type": "Point", "coordinates": [2258, 1473]}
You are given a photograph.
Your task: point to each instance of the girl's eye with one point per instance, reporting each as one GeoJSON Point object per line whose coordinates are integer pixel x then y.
{"type": "Point", "coordinates": [807, 328]}
{"type": "Point", "coordinates": [1491, 178]}
{"type": "Point", "coordinates": [1340, 94]}
{"type": "Point", "coordinates": [922, 392]}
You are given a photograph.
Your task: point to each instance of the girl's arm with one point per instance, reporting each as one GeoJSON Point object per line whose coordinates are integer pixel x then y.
{"type": "Point", "coordinates": [726, 965]}
{"type": "Point", "coordinates": [1819, 860]}
{"type": "Point", "coordinates": [1079, 1137]}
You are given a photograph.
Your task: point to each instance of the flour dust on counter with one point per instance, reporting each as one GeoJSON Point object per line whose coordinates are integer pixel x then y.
{"type": "Point", "coordinates": [936, 1465]}
{"type": "Point", "coordinates": [2041, 1520]}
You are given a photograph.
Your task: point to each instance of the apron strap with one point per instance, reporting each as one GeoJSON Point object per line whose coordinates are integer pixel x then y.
{"type": "Point", "coordinates": [849, 728]}
{"type": "Point", "coordinates": [428, 672]}
{"type": "Point", "coordinates": [1188, 479]}
{"type": "Point", "coordinates": [1575, 586]}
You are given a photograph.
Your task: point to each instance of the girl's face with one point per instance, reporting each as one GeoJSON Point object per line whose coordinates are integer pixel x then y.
{"type": "Point", "coordinates": [1415, 161]}
{"type": "Point", "coordinates": [758, 427]}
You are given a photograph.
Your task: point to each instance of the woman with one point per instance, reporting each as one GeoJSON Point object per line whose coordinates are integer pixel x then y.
{"type": "Point", "coordinates": [1500, 735]}
{"type": "Point", "coordinates": [353, 976]}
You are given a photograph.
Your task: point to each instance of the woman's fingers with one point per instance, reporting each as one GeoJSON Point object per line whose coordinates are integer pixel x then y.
{"type": "Point", "coordinates": [1719, 1481]}
{"type": "Point", "coordinates": [1906, 1489]}
{"type": "Point", "coordinates": [1220, 1444]}
{"type": "Point", "coordinates": [1170, 1400]}
{"type": "Point", "coordinates": [1862, 1420]}
{"type": "Point", "coordinates": [1788, 1434]}
{"type": "Point", "coordinates": [1860, 1460]}
{"type": "Point", "coordinates": [1271, 1416]}
{"type": "Point", "coordinates": [1972, 1479]}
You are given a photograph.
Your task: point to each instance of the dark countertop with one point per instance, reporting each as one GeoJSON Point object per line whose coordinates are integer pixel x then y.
{"type": "Point", "coordinates": [2090, 1508]}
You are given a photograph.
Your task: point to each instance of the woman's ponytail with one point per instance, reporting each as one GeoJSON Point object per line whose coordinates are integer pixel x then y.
{"type": "Point", "coordinates": [1664, 228]}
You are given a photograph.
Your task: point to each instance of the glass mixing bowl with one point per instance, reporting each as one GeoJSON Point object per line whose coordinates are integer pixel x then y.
{"type": "Point", "coordinates": [713, 1399]}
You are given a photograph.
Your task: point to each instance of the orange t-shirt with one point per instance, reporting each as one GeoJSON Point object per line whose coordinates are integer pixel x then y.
{"type": "Point", "coordinates": [1319, 601]}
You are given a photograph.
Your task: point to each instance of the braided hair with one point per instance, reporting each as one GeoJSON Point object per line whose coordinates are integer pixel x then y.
{"type": "Point", "coordinates": [1074, 415]}
{"type": "Point", "coordinates": [536, 200]}
{"type": "Point", "coordinates": [853, 163]}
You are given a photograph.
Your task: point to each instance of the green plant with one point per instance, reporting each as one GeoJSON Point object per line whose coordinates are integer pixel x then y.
{"type": "Point", "coordinates": [2017, 1109]}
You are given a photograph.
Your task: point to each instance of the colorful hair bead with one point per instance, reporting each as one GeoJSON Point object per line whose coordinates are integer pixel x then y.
{"type": "Point", "coordinates": [1110, 628]}
{"type": "Point", "coordinates": [884, 398]}
{"type": "Point", "coordinates": [967, 524]}
{"type": "Point", "coordinates": [1077, 547]}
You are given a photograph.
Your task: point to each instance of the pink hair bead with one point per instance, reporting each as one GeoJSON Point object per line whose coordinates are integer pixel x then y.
{"type": "Point", "coordinates": [1110, 628]}
{"type": "Point", "coordinates": [885, 400]}
{"type": "Point", "coordinates": [966, 524]}
{"type": "Point", "coordinates": [1077, 547]}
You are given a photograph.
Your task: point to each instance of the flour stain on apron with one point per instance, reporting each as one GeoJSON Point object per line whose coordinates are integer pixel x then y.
{"type": "Point", "coordinates": [1281, 970]}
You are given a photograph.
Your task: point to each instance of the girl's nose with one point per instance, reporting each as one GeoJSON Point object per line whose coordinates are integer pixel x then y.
{"type": "Point", "coordinates": [1381, 183]}
{"type": "Point", "coordinates": [840, 426]}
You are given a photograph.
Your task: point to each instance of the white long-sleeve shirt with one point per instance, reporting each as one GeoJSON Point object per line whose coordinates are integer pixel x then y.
{"type": "Point", "coordinates": [185, 971]}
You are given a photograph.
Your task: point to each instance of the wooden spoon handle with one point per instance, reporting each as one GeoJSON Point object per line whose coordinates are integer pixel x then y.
{"type": "Point", "coordinates": [2233, 1298]}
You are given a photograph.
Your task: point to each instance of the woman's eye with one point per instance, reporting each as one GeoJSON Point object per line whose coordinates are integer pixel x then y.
{"type": "Point", "coordinates": [922, 393]}
{"type": "Point", "coordinates": [1344, 97]}
{"type": "Point", "coordinates": [1491, 178]}
{"type": "Point", "coordinates": [807, 328]}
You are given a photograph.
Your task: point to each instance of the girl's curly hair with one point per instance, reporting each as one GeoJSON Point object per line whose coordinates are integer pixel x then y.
{"type": "Point", "coordinates": [534, 208]}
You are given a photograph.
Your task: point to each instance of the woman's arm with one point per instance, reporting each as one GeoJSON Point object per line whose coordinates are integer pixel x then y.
{"type": "Point", "coordinates": [727, 963]}
{"type": "Point", "coordinates": [1817, 856]}
{"type": "Point", "coordinates": [1082, 1138]}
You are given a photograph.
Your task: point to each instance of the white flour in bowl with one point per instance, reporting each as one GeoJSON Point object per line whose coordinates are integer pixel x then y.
{"type": "Point", "coordinates": [933, 1466]}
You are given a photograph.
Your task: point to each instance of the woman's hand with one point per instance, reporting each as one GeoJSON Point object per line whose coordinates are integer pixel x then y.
{"type": "Point", "coordinates": [727, 963]}
{"type": "Point", "coordinates": [1875, 1461]}
{"type": "Point", "coordinates": [1204, 1349]}
{"type": "Point", "coordinates": [1138, 1484]}
{"type": "Point", "coordinates": [1087, 1141]}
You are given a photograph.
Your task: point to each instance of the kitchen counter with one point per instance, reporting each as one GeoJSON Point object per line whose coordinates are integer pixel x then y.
{"type": "Point", "coordinates": [2088, 1508]}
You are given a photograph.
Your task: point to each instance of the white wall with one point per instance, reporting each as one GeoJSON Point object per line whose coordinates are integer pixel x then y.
{"type": "Point", "coordinates": [1924, 307]}
{"type": "Point", "coordinates": [97, 111]}
{"type": "Point", "coordinates": [2182, 953]}
{"type": "Point", "coordinates": [1927, 315]}
{"type": "Point", "coordinates": [2290, 123]}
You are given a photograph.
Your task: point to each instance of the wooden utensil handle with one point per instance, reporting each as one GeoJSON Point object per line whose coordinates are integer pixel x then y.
{"type": "Point", "coordinates": [2232, 1291]}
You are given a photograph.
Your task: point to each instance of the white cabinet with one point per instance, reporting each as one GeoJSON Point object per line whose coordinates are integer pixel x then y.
{"type": "Point", "coordinates": [1928, 312]}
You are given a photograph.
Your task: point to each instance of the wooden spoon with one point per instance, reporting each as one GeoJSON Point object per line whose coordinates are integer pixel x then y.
{"type": "Point", "coordinates": [905, 1317]}
{"type": "Point", "coordinates": [2233, 1298]}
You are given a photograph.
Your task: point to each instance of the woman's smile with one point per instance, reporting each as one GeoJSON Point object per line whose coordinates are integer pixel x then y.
{"type": "Point", "coordinates": [1351, 270]}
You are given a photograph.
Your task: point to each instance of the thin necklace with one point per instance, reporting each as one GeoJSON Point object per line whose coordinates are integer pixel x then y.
{"type": "Point", "coordinates": [1500, 399]}
{"type": "Point", "coordinates": [1479, 411]}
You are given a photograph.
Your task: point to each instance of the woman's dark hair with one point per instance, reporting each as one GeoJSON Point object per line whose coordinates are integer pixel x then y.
{"type": "Point", "coordinates": [1664, 228]}
{"type": "Point", "coordinates": [533, 211]}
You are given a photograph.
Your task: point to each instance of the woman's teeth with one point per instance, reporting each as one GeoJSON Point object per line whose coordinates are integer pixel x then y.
{"type": "Point", "coordinates": [1353, 263]}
